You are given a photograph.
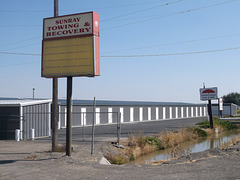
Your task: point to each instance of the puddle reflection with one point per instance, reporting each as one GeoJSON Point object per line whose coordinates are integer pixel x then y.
{"type": "Point", "coordinates": [188, 147]}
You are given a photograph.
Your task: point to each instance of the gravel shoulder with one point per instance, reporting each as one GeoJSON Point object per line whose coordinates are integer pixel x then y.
{"type": "Point", "coordinates": [33, 160]}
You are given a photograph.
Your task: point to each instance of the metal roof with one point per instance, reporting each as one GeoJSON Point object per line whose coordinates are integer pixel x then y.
{"type": "Point", "coordinates": [29, 101]}
{"type": "Point", "coordinates": [123, 103]}
{"type": "Point", "coordinates": [22, 102]}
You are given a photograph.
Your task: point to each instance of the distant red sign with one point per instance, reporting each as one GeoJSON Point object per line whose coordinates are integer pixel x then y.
{"type": "Point", "coordinates": [208, 93]}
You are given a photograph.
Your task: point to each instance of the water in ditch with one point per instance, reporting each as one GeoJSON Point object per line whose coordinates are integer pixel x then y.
{"type": "Point", "coordinates": [186, 148]}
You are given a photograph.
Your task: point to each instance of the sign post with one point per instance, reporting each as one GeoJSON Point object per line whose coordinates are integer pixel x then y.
{"type": "Point", "coordinates": [70, 48]}
{"type": "Point", "coordinates": [220, 106]}
{"type": "Point", "coordinates": [69, 117]}
{"type": "Point", "coordinates": [55, 100]}
{"type": "Point", "coordinates": [208, 94]}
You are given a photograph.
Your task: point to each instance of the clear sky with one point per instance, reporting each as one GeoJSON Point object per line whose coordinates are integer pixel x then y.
{"type": "Point", "coordinates": [151, 50]}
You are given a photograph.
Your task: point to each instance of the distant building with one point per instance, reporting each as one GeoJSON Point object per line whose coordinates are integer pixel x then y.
{"type": "Point", "coordinates": [24, 114]}
{"type": "Point", "coordinates": [28, 114]}
{"type": "Point", "coordinates": [229, 109]}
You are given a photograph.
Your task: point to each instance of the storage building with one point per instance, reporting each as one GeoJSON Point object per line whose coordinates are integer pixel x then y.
{"type": "Point", "coordinates": [25, 115]}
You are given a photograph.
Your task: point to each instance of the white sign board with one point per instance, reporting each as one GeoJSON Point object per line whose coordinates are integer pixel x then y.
{"type": "Point", "coordinates": [82, 24]}
{"type": "Point", "coordinates": [208, 94]}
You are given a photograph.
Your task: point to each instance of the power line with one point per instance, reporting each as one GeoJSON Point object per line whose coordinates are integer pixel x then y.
{"type": "Point", "coordinates": [19, 64]}
{"type": "Point", "coordinates": [128, 56]}
{"type": "Point", "coordinates": [117, 6]}
{"type": "Point", "coordinates": [144, 47]}
{"type": "Point", "coordinates": [142, 20]}
{"type": "Point", "coordinates": [173, 54]}
{"type": "Point", "coordinates": [63, 10]}
{"type": "Point", "coordinates": [21, 46]}
{"type": "Point", "coordinates": [175, 43]}
{"type": "Point", "coordinates": [143, 55]}
{"type": "Point", "coordinates": [25, 54]}
{"type": "Point", "coordinates": [173, 14]}
{"type": "Point", "coordinates": [20, 41]}
{"type": "Point", "coordinates": [142, 10]}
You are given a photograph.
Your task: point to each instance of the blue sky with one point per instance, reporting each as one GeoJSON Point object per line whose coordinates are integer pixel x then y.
{"type": "Point", "coordinates": [150, 50]}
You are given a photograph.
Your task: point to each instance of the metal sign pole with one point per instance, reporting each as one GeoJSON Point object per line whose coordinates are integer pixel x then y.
{"type": "Point", "coordinates": [55, 100]}
{"type": "Point", "coordinates": [210, 114]}
{"type": "Point", "coordinates": [69, 117]}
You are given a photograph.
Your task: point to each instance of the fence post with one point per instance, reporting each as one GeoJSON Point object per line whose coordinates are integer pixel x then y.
{"type": "Point", "coordinates": [83, 128]}
{"type": "Point", "coordinates": [17, 135]}
{"type": "Point", "coordinates": [93, 124]}
{"type": "Point", "coordinates": [21, 127]}
{"type": "Point", "coordinates": [118, 127]}
{"type": "Point", "coordinates": [32, 134]}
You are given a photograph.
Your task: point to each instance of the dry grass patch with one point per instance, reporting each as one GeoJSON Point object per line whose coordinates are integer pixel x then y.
{"type": "Point", "coordinates": [31, 157]}
{"type": "Point", "coordinates": [138, 145]}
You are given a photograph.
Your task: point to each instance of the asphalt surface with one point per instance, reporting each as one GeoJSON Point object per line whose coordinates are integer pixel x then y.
{"type": "Point", "coordinates": [34, 160]}
{"type": "Point", "coordinates": [109, 132]}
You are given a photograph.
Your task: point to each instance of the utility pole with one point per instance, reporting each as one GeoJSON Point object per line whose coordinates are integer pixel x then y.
{"type": "Point", "coordinates": [55, 100]}
{"type": "Point", "coordinates": [210, 114]}
{"type": "Point", "coordinates": [69, 117]}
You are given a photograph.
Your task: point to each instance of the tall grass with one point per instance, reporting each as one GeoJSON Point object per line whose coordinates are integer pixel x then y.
{"type": "Point", "coordinates": [221, 124]}
{"type": "Point", "coordinates": [138, 145]}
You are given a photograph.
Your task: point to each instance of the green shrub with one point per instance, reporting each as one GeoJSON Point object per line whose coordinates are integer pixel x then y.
{"type": "Point", "coordinates": [204, 124]}
{"type": "Point", "coordinates": [226, 125]}
{"type": "Point", "coordinates": [154, 141]}
{"type": "Point", "coordinates": [200, 132]}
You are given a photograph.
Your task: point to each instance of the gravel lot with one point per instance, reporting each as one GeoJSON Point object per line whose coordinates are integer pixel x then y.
{"type": "Point", "coordinates": [33, 160]}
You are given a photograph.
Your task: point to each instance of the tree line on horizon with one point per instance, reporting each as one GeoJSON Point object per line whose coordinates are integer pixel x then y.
{"type": "Point", "coordinates": [232, 97]}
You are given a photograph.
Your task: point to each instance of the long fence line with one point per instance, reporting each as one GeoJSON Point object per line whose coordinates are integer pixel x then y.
{"type": "Point", "coordinates": [82, 116]}
{"type": "Point", "coordinates": [39, 118]}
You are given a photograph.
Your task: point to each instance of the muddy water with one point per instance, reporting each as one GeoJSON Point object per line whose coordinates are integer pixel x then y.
{"type": "Point", "coordinates": [186, 148]}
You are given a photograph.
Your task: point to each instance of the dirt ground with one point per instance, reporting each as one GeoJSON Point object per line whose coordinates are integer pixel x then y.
{"type": "Point", "coordinates": [33, 160]}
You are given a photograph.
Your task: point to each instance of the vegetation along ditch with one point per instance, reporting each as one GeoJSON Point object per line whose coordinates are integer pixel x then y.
{"type": "Point", "coordinates": [138, 148]}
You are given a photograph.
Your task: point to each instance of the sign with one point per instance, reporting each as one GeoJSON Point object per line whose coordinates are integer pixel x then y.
{"type": "Point", "coordinates": [83, 24]}
{"type": "Point", "coordinates": [220, 103]}
{"type": "Point", "coordinates": [70, 46]}
{"type": "Point", "coordinates": [208, 93]}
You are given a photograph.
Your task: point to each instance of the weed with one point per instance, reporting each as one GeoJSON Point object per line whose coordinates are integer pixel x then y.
{"type": "Point", "coordinates": [31, 157]}
{"type": "Point", "coordinates": [226, 125]}
{"type": "Point", "coordinates": [118, 159]}
{"type": "Point", "coordinates": [204, 124]}
{"type": "Point", "coordinates": [154, 141]}
{"type": "Point", "coordinates": [138, 145]}
{"type": "Point", "coordinates": [200, 132]}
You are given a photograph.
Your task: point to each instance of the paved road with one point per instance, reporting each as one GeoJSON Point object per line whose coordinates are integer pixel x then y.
{"type": "Point", "coordinates": [109, 132]}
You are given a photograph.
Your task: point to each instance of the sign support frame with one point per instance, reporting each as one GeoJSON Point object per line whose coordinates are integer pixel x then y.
{"type": "Point", "coordinates": [55, 100]}
{"type": "Point", "coordinates": [210, 114]}
{"type": "Point", "coordinates": [209, 94]}
{"type": "Point", "coordinates": [69, 117]}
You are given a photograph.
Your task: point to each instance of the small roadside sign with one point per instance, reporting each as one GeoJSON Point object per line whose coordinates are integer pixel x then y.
{"type": "Point", "coordinates": [220, 103]}
{"type": "Point", "coordinates": [208, 93]}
